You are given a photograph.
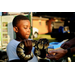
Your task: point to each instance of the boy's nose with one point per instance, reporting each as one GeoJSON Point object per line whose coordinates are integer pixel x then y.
{"type": "Point", "coordinates": [28, 30]}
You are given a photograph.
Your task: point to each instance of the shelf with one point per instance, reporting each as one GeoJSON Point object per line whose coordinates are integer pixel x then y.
{"type": "Point", "coordinates": [5, 41]}
{"type": "Point", "coordinates": [4, 44]}
{"type": "Point", "coordinates": [4, 32]}
{"type": "Point", "coordinates": [4, 38]}
{"type": "Point", "coordinates": [4, 27]}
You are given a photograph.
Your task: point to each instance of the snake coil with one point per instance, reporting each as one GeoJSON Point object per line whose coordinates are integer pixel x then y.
{"type": "Point", "coordinates": [40, 49]}
{"type": "Point", "coordinates": [21, 52]}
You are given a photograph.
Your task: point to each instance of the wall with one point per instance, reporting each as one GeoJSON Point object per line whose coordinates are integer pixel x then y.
{"type": "Point", "coordinates": [43, 28]}
{"type": "Point", "coordinates": [49, 25]}
{"type": "Point", "coordinates": [0, 31]}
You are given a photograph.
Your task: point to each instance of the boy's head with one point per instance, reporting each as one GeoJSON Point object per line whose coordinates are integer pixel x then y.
{"type": "Point", "coordinates": [18, 18]}
{"type": "Point", "coordinates": [21, 26]}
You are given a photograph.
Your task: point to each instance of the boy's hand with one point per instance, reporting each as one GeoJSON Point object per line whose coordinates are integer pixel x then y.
{"type": "Point", "coordinates": [28, 46]}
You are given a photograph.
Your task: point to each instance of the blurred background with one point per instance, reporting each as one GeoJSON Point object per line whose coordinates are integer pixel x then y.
{"type": "Point", "coordinates": [55, 26]}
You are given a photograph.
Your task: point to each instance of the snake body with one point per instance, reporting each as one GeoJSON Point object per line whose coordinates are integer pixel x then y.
{"type": "Point", "coordinates": [21, 52]}
{"type": "Point", "coordinates": [40, 49]}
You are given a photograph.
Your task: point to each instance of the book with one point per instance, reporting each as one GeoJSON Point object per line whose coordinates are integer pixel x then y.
{"type": "Point", "coordinates": [54, 45]}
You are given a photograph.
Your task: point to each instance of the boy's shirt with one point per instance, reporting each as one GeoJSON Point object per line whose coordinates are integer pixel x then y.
{"type": "Point", "coordinates": [11, 51]}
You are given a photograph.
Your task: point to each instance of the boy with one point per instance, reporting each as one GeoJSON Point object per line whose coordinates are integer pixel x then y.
{"type": "Point", "coordinates": [21, 26]}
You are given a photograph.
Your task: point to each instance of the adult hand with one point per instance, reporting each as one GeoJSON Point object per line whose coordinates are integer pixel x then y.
{"type": "Point", "coordinates": [59, 53]}
{"type": "Point", "coordinates": [66, 45]}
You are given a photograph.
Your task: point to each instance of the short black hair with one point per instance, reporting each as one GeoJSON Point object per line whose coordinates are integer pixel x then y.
{"type": "Point", "coordinates": [18, 18]}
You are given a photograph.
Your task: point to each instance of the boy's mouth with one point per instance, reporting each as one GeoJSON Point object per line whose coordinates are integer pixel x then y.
{"type": "Point", "coordinates": [27, 35]}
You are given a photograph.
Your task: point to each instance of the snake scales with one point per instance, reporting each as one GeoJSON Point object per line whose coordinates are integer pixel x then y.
{"type": "Point", "coordinates": [40, 49]}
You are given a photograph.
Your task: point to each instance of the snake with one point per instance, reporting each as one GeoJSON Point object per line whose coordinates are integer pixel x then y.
{"type": "Point", "coordinates": [21, 52]}
{"type": "Point", "coordinates": [41, 48]}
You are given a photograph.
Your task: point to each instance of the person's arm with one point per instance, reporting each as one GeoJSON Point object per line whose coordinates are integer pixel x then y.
{"type": "Point", "coordinates": [56, 54]}
{"type": "Point", "coordinates": [59, 53]}
{"type": "Point", "coordinates": [72, 50]}
{"type": "Point", "coordinates": [72, 41]}
{"type": "Point", "coordinates": [68, 44]}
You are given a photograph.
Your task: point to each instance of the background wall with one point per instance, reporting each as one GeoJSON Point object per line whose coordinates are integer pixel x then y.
{"type": "Point", "coordinates": [0, 31]}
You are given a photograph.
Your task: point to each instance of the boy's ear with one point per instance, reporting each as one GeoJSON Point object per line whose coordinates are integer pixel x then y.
{"type": "Point", "coordinates": [15, 29]}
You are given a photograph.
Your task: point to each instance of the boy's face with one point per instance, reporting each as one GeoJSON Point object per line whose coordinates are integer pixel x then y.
{"type": "Point", "coordinates": [23, 29]}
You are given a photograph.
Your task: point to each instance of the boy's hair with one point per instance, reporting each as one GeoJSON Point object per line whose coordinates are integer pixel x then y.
{"type": "Point", "coordinates": [18, 18]}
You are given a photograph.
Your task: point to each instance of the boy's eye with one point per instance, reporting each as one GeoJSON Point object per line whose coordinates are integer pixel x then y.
{"type": "Point", "coordinates": [25, 27]}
